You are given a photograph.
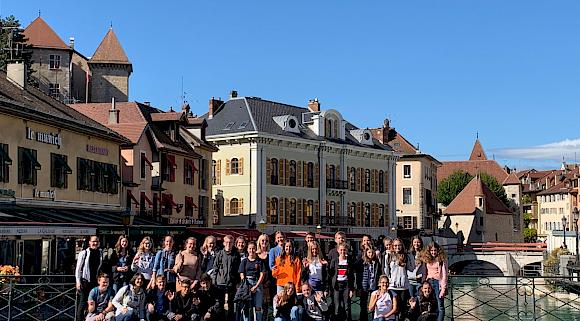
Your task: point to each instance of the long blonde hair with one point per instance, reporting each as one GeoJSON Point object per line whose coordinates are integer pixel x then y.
{"type": "Point", "coordinates": [309, 255]}
{"type": "Point", "coordinates": [259, 249]}
{"type": "Point", "coordinates": [141, 248]}
{"type": "Point", "coordinates": [205, 244]}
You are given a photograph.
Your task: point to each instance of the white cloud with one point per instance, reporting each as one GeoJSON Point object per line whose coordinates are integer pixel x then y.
{"type": "Point", "coordinates": [568, 148]}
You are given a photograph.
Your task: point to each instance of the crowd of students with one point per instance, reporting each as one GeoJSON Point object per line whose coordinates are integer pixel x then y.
{"type": "Point", "coordinates": [249, 280]}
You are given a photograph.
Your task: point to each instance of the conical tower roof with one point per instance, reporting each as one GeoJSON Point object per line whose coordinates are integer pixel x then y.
{"type": "Point", "coordinates": [41, 35]}
{"type": "Point", "coordinates": [477, 152]}
{"type": "Point", "coordinates": [110, 50]}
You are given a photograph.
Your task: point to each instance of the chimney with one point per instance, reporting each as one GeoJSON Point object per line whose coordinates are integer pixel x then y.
{"type": "Point", "coordinates": [314, 105]}
{"type": "Point", "coordinates": [213, 106]}
{"type": "Point", "coordinates": [386, 130]}
{"type": "Point", "coordinates": [185, 108]}
{"type": "Point", "coordinates": [71, 42]}
{"type": "Point", "coordinates": [113, 113]}
{"type": "Point", "coordinates": [16, 74]}
{"type": "Point", "coordinates": [148, 103]}
{"type": "Point", "coordinates": [233, 94]}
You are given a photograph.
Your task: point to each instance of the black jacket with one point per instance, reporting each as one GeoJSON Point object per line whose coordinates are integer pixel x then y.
{"type": "Point", "coordinates": [333, 273]}
{"type": "Point", "coordinates": [360, 275]}
{"type": "Point", "coordinates": [305, 275]}
{"type": "Point", "coordinates": [225, 268]}
{"type": "Point", "coordinates": [210, 302]}
{"type": "Point", "coordinates": [113, 260]}
{"type": "Point", "coordinates": [182, 305]}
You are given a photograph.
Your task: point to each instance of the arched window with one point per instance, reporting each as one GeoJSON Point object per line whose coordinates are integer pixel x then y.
{"type": "Point", "coordinates": [273, 210]}
{"type": "Point", "coordinates": [334, 128]}
{"type": "Point", "coordinates": [292, 173]}
{"type": "Point", "coordinates": [353, 179]}
{"type": "Point", "coordinates": [352, 214]}
{"type": "Point", "coordinates": [234, 166]}
{"type": "Point", "coordinates": [381, 181]}
{"type": "Point", "coordinates": [310, 176]}
{"type": "Point", "coordinates": [234, 206]}
{"type": "Point", "coordinates": [367, 215]}
{"type": "Point", "coordinates": [293, 211]}
{"type": "Point", "coordinates": [274, 171]}
{"type": "Point", "coordinates": [328, 128]}
{"type": "Point", "coordinates": [367, 180]}
{"type": "Point", "coordinates": [309, 212]}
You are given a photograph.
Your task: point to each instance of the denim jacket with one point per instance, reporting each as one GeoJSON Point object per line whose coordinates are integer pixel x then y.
{"type": "Point", "coordinates": [165, 260]}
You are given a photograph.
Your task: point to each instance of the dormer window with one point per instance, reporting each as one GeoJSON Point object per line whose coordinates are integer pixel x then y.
{"type": "Point", "coordinates": [288, 123]}
{"type": "Point", "coordinates": [363, 136]}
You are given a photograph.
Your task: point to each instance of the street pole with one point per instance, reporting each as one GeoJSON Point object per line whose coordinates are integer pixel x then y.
{"type": "Point", "coordinates": [575, 215]}
{"type": "Point", "coordinates": [564, 230]}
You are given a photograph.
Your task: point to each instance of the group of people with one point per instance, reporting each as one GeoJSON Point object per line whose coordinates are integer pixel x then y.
{"type": "Point", "coordinates": [244, 280]}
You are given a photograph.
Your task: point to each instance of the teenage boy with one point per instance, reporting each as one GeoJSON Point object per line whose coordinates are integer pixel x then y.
{"type": "Point", "coordinates": [100, 301]}
{"type": "Point", "coordinates": [225, 274]}
{"type": "Point", "coordinates": [158, 301]}
{"type": "Point", "coordinates": [90, 263]}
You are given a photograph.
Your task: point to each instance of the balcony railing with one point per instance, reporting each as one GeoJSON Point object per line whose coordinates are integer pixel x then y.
{"type": "Point", "coordinates": [337, 221]}
{"type": "Point", "coordinates": [336, 184]}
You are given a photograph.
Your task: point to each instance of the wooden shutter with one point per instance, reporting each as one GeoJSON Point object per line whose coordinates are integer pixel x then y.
{"type": "Point", "coordinates": [359, 179]}
{"type": "Point", "coordinates": [299, 211]}
{"type": "Point", "coordinates": [376, 181]}
{"type": "Point", "coordinates": [281, 171]}
{"type": "Point", "coordinates": [374, 215]}
{"type": "Point", "coordinates": [226, 206]}
{"type": "Point", "coordinates": [240, 206]}
{"type": "Point", "coordinates": [337, 210]}
{"type": "Point", "coordinates": [268, 171]}
{"type": "Point", "coordinates": [268, 210]}
{"type": "Point", "coordinates": [359, 214]}
{"type": "Point", "coordinates": [348, 177]}
{"type": "Point", "coordinates": [316, 175]}
{"type": "Point", "coordinates": [414, 222]}
{"type": "Point", "coordinates": [327, 172]}
{"type": "Point", "coordinates": [241, 166]}
{"type": "Point", "coordinates": [299, 174]}
{"type": "Point", "coordinates": [386, 181]}
{"type": "Point", "coordinates": [316, 212]}
{"type": "Point", "coordinates": [304, 173]}
{"type": "Point", "coordinates": [337, 172]}
{"type": "Point", "coordinates": [286, 210]}
{"type": "Point", "coordinates": [287, 172]}
{"type": "Point", "coordinates": [227, 167]}
{"type": "Point", "coordinates": [281, 211]}
{"type": "Point", "coordinates": [218, 172]}
{"type": "Point", "coordinates": [327, 211]}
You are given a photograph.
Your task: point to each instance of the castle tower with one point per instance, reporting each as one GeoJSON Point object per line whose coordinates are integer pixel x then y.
{"type": "Point", "coordinates": [110, 70]}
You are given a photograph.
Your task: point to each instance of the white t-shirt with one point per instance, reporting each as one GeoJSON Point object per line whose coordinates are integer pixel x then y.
{"type": "Point", "coordinates": [384, 304]}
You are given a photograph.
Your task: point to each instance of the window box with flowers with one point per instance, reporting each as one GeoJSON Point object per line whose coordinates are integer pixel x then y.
{"type": "Point", "coordinates": [8, 276]}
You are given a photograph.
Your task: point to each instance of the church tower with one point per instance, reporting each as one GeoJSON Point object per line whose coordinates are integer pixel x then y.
{"type": "Point", "coordinates": [110, 70]}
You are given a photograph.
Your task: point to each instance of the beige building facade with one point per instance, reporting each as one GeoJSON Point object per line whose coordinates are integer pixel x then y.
{"type": "Point", "coordinates": [285, 167]}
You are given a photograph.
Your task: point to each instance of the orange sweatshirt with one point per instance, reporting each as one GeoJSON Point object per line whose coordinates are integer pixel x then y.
{"type": "Point", "coordinates": [289, 272]}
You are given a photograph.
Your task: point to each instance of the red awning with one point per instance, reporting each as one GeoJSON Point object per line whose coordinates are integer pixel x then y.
{"type": "Point", "coordinates": [251, 235]}
{"type": "Point", "coordinates": [302, 234]}
{"type": "Point", "coordinates": [189, 201]}
{"type": "Point", "coordinates": [144, 157]}
{"type": "Point", "coordinates": [147, 200]}
{"type": "Point", "coordinates": [192, 164]}
{"type": "Point", "coordinates": [171, 160]}
{"type": "Point", "coordinates": [132, 197]}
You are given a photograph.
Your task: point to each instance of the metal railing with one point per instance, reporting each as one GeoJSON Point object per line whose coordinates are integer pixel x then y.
{"type": "Point", "coordinates": [38, 297]}
{"type": "Point", "coordinates": [512, 298]}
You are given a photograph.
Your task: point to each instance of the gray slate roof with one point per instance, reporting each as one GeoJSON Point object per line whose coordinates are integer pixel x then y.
{"type": "Point", "coordinates": [251, 114]}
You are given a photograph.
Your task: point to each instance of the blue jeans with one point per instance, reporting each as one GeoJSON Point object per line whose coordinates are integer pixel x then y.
{"type": "Point", "coordinates": [257, 298]}
{"type": "Point", "coordinates": [440, 301]}
{"type": "Point", "coordinates": [295, 312]}
{"type": "Point", "coordinates": [125, 316]}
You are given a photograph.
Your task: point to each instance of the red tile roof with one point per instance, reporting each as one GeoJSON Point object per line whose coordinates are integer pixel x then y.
{"type": "Point", "coordinates": [173, 116]}
{"type": "Point", "coordinates": [473, 168]}
{"type": "Point", "coordinates": [131, 131]}
{"type": "Point", "coordinates": [464, 202]}
{"type": "Point", "coordinates": [477, 152]}
{"type": "Point", "coordinates": [110, 50]}
{"type": "Point", "coordinates": [41, 35]}
{"type": "Point", "coordinates": [512, 179]}
{"type": "Point", "coordinates": [129, 112]}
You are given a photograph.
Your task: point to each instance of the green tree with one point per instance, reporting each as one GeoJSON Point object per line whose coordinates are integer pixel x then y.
{"type": "Point", "coordinates": [448, 188]}
{"type": "Point", "coordinates": [451, 186]}
{"type": "Point", "coordinates": [495, 187]}
{"type": "Point", "coordinates": [13, 46]}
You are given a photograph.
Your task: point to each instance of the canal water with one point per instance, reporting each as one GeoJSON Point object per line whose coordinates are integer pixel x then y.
{"type": "Point", "coordinates": [489, 296]}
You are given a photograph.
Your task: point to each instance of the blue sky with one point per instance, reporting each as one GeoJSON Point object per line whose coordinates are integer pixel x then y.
{"type": "Point", "coordinates": [442, 71]}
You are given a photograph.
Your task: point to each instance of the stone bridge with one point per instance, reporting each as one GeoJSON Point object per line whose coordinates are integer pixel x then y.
{"type": "Point", "coordinates": [509, 262]}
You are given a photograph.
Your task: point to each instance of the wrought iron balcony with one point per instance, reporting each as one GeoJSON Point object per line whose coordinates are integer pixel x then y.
{"type": "Point", "coordinates": [336, 184]}
{"type": "Point", "coordinates": [337, 221]}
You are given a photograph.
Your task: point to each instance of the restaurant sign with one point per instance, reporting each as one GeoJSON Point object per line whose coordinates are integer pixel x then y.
{"type": "Point", "coordinates": [97, 150]}
{"type": "Point", "coordinates": [44, 194]}
{"type": "Point", "coordinates": [48, 138]}
{"type": "Point", "coordinates": [47, 231]}
{"type": "Point", "coordinates": [186, 221]}
{"type": "Point", "coordinates": [7, 192]}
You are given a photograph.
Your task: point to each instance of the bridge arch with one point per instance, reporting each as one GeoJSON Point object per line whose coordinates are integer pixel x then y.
{"type": "Point", "coordinates": [473, 267]}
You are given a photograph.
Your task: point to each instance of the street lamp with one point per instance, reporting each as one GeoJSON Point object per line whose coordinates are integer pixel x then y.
{"type": "Point", "coordinates": [262, 225]}
{"type": "Point", "coordinates": [127, 219]}
{"type": "Point", "coordinates": [575, 214]}
{"type": "Point", "coordinates": [564, 221]}
{"type": "Point", "coordinates": [318, 230]}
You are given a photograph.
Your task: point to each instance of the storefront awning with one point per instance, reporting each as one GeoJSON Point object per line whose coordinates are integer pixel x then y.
{"type": "Point", "coordinates": [192, 164]}
{"type": "Point", "coordinates": [5, 157]}
{"type": "Point", "coordinates": [220, 233]}
{"type": "Point", "coordinates": [32, 159]}
{"type": "Point", "coordinates": [132, 197]}
{"type": "Point", "coordinates": [144, 157]}
{"type": "Point", "coordinates": [63, 163]}
{"type": "Point", "coordinates": [189, 201]}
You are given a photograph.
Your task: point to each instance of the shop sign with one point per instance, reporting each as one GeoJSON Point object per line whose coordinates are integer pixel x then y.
{"type": "Point", "coordinates": [47, 138]}
{"type": "Point", "coordinates": [43, 230]}
{"type": "Point", "coordinates": [7, 192]}
{"type": "Point", "coordinates": [44, 194]}
{"type": "Point", "coordinates": [97, 150]}
{"type": "Point", "coordinates": [186, 221]}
